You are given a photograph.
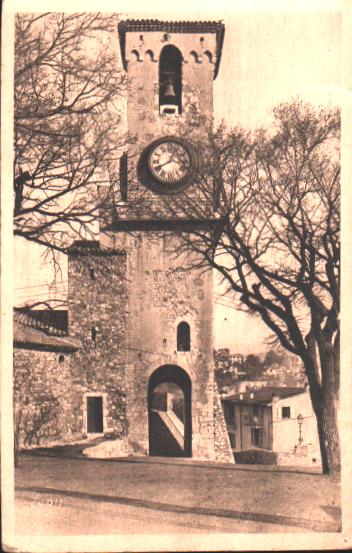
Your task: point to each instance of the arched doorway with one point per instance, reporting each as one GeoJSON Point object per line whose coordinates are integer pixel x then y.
{"type": "Point", "coordinates": [170, 412]}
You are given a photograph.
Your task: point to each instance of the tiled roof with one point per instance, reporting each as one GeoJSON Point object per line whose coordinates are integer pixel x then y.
{"type": "Point", "coordinates": [173, 27]}
{"type": "Point", "coordinates": [42, 330]}
{"type": "Point", "coordinates": [92, 247]}
{"type": "Point", "coordinates": [27, 337]}
{"type": "Point", "coordinates": [52, 321]}
{"type": "Point", "coordinates": [264, 395]}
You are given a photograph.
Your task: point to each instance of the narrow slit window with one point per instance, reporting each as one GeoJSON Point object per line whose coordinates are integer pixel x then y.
{"type": "Point", "coordinates": [94, 333]}
{"type": "Point", "coordinates": [123, 176]}
{"type": "Point", "coordinates": [183, 337]}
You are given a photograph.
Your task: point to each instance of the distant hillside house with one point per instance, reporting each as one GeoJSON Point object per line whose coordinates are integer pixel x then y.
{"type": "Point", "coordinates": [272, 368]}
{"type": "Point", "coordinates": [279, 419]}
{"type": "Point", "coordinates": [228, 366]}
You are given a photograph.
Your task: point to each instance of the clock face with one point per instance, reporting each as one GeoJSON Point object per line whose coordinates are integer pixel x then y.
{"type": "Point", "coordinates": [169, 162]}
{"type": "Point", "coordinates": [168, 165]}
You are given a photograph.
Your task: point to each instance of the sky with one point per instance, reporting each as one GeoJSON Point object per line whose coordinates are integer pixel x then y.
{"type": "Point", "coordinates": [268, 57]}
{"type": "Point", "coordinates": [271, 57]}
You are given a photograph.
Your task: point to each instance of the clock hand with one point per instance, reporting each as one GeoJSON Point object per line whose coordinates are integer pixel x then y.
{"type": "Point", "coordinates": [160, 165]}
{"type": "Point", "coordinates": [179, 157]}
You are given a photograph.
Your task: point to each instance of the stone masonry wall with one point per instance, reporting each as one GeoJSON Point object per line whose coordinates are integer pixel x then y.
{"type": "Point", "coordinates": [50, 389]}
{"type": "Point", "coordinates": [163, 291]}
{"type": "Point", "coordinates": [44, 399]}
{"type": "Point", "coordinates": [97, 317]}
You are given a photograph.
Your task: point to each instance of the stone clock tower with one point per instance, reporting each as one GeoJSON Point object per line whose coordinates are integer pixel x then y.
{"type": "Point", "coordinates": [172, 403]}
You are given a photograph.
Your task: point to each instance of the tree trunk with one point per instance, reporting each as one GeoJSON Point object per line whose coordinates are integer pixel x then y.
{"type": "Point", "coordinates": [324, 401]}
{"type": "Point", "coordinates": [329, 435]}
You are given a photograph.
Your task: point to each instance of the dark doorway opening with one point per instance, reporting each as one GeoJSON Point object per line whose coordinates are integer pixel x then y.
{"type": "Point", "coordinates": [95, 415]}
{"type": "Point", "coordinates": [169, 412]}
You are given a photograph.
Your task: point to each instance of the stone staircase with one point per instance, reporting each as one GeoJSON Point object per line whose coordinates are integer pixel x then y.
{"type": "Point", "coordinates": [163, 441]}
{"type": "Point", "coordinates": [177, 421]}
{"type": "Point", "coordinates": [174, 425]}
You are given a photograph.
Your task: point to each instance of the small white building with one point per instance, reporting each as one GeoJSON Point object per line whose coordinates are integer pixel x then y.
{"type": "Point", "coordinates": [279, 419]}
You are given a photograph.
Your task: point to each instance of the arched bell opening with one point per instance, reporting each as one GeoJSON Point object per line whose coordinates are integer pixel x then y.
{"type": "Point", "coordinates": [170, 81]}
{"type": "Point", "coordinates": [170, 412]}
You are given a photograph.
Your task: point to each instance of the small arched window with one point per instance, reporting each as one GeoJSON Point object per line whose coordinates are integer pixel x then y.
{"type": "Point", "coordinates": [194, 56]}
{"type": "Point", "coordinates": [208, 55]}
{"type": "Point", "coordinates": [170, 80]}
{"type": "Point", "coordinates": [183, 337]}
{"type": "Point", "coordinates": [150, 54]}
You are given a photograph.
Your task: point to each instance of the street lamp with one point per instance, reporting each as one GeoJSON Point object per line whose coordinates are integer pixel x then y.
{"type": "Point", "coordinates": [300, 422]}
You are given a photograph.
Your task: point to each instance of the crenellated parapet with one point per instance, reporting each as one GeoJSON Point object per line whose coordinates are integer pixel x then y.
{"type": "Point", "coordinates": [143, 40]}
{"type": "Point", "coordinates": [193, 56]}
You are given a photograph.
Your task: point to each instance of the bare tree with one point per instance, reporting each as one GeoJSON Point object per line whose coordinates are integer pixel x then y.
{"type": "Point", "coordinates": [68, 91]}
{"type": "Point", "coordinates": [270, 210]}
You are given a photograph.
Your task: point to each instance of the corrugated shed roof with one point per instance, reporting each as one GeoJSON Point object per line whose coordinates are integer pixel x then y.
{"type": "Point", "coordinates": [264, 395]}
{"type": "Point", "coordinates": [130, 25]}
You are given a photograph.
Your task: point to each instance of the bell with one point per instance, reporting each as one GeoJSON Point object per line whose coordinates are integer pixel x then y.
{"type": "Point", "coordinates": [169, 90]}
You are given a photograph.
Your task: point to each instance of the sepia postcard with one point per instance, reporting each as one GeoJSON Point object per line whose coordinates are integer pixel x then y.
{"type": "Point", "coordinates": [175, 323]}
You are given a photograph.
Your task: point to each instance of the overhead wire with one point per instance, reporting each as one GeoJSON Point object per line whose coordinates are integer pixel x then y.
{"type": "Point", "coordinates": [21, 293]}
{"type": "Point", "coordinates": [41, 285]}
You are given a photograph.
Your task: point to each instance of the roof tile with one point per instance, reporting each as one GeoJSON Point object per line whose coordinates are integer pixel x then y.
{"type": "Point", "coordinates": [33, 338]}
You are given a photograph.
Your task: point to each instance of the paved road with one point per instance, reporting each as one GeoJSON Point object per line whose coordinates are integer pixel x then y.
{"type": "Point", "coordinates": [54, 514]}
{"type": "Point", "coordinates": [75, 496]}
